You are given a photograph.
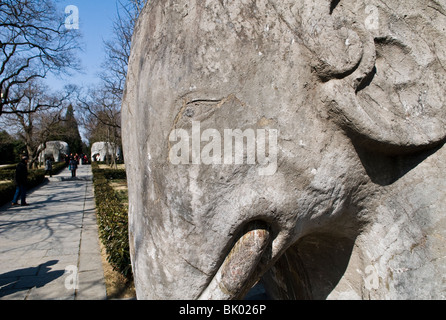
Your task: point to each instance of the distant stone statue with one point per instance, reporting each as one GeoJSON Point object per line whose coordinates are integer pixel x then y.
{"type": "Point", "coordinates": [345, 100]}
{"type": "Point", "coordinates": [55, 150]}
{"type": "Point", "coordinates": [101, 150]}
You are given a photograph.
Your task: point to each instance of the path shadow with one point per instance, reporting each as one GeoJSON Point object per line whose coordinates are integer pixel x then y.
{"type": "Point", "coordinates": [28, 278]}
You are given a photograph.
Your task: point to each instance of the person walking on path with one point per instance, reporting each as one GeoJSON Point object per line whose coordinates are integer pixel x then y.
{"type": "Point", "coordinates": [21, 180]}
{"type": "Point", "coordinates": [73, 167]}
{"type": "Point", "coordinates": [49, 167]}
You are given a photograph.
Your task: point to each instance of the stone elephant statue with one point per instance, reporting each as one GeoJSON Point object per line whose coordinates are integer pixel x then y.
{"type": "Point", "coordinates": [295, 143]}
{"type": "Point", "coordinates": [100, 151]}
{"type": "Point", "coordinates": [54, 149]}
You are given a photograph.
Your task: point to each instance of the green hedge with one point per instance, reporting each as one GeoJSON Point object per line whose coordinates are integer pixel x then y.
{"type": "Point", "coordinates": [7, 173]}
{"type": "Point", "coordinates": [7, 190]}
{"type": "Point", "coordinates": [111, 174]}
{"type": "Point", "coordinates": [112, 220]}
{"type": "Point", "coordinates": [35, 177]}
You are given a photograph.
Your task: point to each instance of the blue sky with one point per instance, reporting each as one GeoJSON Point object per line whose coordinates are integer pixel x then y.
{"type": "Point", "coordinates": [95, 24]}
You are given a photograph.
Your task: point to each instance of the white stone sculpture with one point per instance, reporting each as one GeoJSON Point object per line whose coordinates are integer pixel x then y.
{"type": "Point", "coordinates": [344, 99]}
{"type": "Point", "coordinates": [54, 149]}
{"type": "Point", "coordinates": [100, 150]}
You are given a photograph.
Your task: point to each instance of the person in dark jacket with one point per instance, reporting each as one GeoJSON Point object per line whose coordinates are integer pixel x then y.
{"type": "Point", "coordinates": [73, 166]}
{"type": "Point", "coordinates": [49, 167]}
{"type": "Point", "coordinates": [21, 180]}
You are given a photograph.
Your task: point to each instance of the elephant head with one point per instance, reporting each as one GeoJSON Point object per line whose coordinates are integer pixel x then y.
{"type": "Point", "coordinates": [247, 131]}
{"type": "Point", "coordinates": [53, 149]}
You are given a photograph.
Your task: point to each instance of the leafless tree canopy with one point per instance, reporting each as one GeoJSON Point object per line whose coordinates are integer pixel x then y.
{"type": "Point", "coordinates": [33, 42]}
{"type": "Point", "coordinates": [102, 104]}
{"type": "Point", "coordinates": [118, 48]}
{"type": "Point", "coordinates": [40, 115]}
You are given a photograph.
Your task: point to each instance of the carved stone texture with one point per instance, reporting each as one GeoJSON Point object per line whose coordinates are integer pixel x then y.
{"type": "Point", "coordinates": [54, 149]}
{"type": "Point", "coordinates": [354, 91]}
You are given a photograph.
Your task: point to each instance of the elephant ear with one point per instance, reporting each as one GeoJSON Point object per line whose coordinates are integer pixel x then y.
{"type": "Point", "coordinates": [398, 105]}
{"type": "Point", "coordinates": [322, 35]}
{"type": "Point", "coordinates": [382, 79]}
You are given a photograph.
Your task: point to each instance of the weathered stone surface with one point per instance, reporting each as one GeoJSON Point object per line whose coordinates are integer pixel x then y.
{"type": "Point", "coordinates": [354, 91]}
{"type": "Point", "coordinates": [54, 149]}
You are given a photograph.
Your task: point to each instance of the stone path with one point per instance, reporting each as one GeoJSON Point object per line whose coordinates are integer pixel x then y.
{"type": "Point", "coordinates": [50, 249]}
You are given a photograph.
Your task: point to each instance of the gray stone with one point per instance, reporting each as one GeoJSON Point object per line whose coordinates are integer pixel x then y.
{"type": "Point", "coordinates": [100, 150]}
{"type": "Point", "coordinates": [353, 204]}
{"type": "Point", "coordinates": [54, 149]}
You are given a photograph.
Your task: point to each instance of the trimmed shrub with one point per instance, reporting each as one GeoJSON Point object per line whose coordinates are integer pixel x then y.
{"type": "Point", "coordinates": [112, 174]}
{"type": "Point", "coordinates": [112, 221]}
{"type": "Point", "coordinates": [7, 190]}
{"type": "Point", "coordinates": [7, 173]}
{"type": "Point", "coordinates": [35, 178]}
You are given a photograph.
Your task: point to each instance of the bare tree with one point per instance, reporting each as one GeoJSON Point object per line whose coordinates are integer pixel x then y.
{"type": "Point", "coordinates": [118, 48]}
{"type": "Point", "coordinates": [102, 104]}
{"type": "Point", "coordinates": [33, 43]}
{"type": "Point", "coordinates": [102, 116]}
{"type": "Point", "coordinates": [104, 101]}
{"type": "Point", "coordinates": [39, 116]}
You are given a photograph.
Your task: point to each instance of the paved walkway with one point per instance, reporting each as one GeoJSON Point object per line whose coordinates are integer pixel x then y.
{"type": "Point", "coordinates": [44, 246]}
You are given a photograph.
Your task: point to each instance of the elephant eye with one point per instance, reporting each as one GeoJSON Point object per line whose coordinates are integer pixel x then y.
{"type": "Point", "coordinates": [190, 112]}
{"type": "Point", "coordinates": [210, 112]}
{"type": "Point", "coordinates": [196, 110]}
{"type": "Point", "coordinates": [200, 106]}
